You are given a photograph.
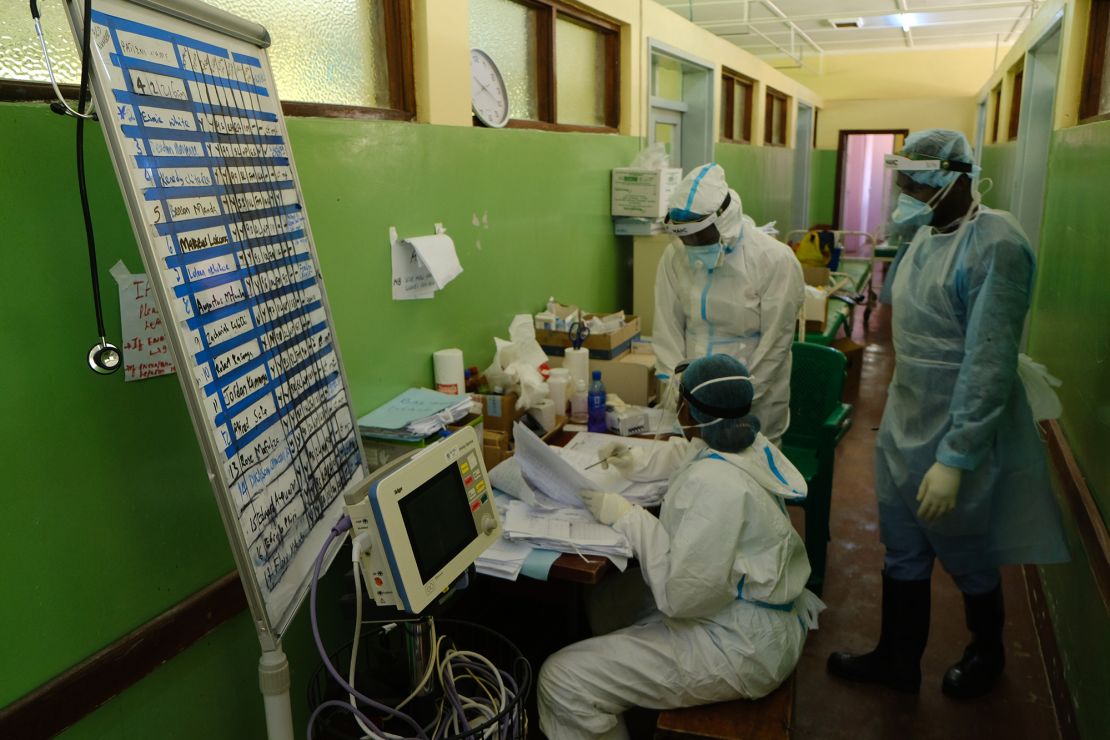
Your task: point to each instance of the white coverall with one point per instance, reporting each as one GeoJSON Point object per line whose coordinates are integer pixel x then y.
{"type": "Point", "coordinates": [746, 307]}
{"type": "Point", "coordinates": [727, 572]}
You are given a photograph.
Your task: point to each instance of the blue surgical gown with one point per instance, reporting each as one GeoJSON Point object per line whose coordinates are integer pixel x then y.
{"type": "Point", "coordinates": [959, 306]}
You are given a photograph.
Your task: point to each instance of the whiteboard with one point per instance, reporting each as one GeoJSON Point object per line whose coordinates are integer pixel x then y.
{"type": "Point", "coordinates": [187, 103]}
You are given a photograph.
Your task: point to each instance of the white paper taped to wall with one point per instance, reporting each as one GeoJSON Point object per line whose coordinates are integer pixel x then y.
{"type": "Point", "coordinates": [411, 279]}
{"type": "Point", "coordinates": [146, 353]}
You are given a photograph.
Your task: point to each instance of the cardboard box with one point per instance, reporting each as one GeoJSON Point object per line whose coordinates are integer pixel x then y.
{"type": "Point", "coordinates": [601, 346]}
{"type": "Point", "coordinates": [854, 353]}
{"type": "Point", "coordinates": [495, 447]}
{"type": "Point", "coordinates": [642, 192]}
{"type": "Point", "coordinates": [499, 412]}
{"type": "Point", "coordinates": [816, 310]}
{"type": "Point", "coordinates": [816, 276]}
{"type": "Point", "coordinates": [628, 377]}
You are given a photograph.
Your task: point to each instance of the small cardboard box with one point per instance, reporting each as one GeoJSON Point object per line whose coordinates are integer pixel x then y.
{"type": "Point", "coordinates": [632, 377]}
{"type": "Point", "coordinates": [816, 276]}
{"type": "Point", "coordinates": [816, 310]}
{"type": "Point", "coordinates": [499, 412]}
{"type": "Point", "coordinates": [854, 353]}
{"type": "Point", "coordinates": [601, 346]}
{"type": "Point", "coordinates": [495, 447]}
{"type": "Point", "coordinates": [643, 192]}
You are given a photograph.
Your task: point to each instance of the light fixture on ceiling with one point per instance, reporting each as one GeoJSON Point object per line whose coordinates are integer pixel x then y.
{"type": "Point", "coordinates": [846, 22]}
{"type": "Point", "coordinates": [905, 20]}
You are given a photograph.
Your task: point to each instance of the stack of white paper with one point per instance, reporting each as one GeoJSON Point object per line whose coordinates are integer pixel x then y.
{"type": "Point", "coordinates": [504, 559]}
{"type": "Point", "coordinates": [565, 530]}
{"type": "Point", "coordinates": [582, 452]}
{"type": "Point", "coordinates": [415, 414]}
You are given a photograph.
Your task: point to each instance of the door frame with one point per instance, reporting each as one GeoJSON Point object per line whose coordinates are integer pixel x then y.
{"type": "Point", "coordinates": [841, 147]}
{"type": "Point", "coordinates": [803, 164]}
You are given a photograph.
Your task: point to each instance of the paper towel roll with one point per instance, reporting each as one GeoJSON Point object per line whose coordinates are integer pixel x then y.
{"type": "Point", "coordinates": [578, 362]}
{"type": "Point", "coordinates": [448, 364]}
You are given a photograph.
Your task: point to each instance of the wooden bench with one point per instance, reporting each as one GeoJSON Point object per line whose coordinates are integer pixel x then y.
{"type": "Point", "coordinates": [769, 718]}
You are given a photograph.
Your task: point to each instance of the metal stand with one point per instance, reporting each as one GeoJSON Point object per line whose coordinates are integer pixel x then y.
{"type": "Point", "coordinates": [273, 681]}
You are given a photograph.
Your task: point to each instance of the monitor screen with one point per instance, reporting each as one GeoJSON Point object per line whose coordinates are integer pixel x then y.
{"type": "Point", "coordinates": [439, 522]}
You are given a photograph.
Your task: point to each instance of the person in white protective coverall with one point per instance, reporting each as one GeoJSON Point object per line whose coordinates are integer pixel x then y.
{"type": "Point", "coordinates": [727, 288]}
{"type": "Point", "coordinates": [723, 568]}
{"type": "Point", "coordinates": [960, 472]}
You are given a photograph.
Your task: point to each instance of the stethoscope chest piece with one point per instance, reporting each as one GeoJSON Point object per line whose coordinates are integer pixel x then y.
{"type": "Point", "coordinates": [105, 357]}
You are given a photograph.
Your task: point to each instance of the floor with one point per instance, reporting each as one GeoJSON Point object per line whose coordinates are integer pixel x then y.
{"type": "Point", "coordinates": [828, 709]}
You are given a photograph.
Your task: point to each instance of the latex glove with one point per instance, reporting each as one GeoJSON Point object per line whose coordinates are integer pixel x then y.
{"type": "Point", "coordinates": [607, 508]}
{"type": "Point", "coordinates": [617, 454]}
{"type": "Point", "coordinates": [937, 492]}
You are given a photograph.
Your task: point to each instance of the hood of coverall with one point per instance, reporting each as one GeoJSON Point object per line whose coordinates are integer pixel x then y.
{"type": "Point", "coordinates": [702, 192]}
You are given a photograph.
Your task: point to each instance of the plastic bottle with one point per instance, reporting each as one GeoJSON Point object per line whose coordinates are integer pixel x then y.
{"type": "Point", "coordinates": [579, 413]}
{"type": "Point", "coordinates": [559, 383]}
{"type": "Point", "coordinates": [596, 403]}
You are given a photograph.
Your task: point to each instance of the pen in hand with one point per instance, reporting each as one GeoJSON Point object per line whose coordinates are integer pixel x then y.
{"type": "Point", "coordinates": [603, 460]}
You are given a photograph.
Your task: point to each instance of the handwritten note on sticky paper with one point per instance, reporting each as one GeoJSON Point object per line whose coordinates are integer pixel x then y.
{"type": "Point", "coordinates": [411, 279]}
{"type": "Point", "coordinates": [146, 351]}
{"type": "Point", "coordinates": [438, 255]}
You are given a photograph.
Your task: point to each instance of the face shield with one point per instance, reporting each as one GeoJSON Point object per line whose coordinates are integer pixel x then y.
{"type": "Point", "coordinates": [918, 185]}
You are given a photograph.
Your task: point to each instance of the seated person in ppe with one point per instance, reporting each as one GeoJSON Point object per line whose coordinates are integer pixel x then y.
{"type": "Point", "coordinates": [725, 287]}
{"type": "Point", "coordinates": [960, 472]}
{"type": "Point", "coordinates": [723, 565]}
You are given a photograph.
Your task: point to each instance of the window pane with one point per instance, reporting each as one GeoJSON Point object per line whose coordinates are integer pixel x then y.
{"type": "Point", "coordinates": [666, 77]}
{"type": "Point", "coordinates": [778, 124]}
{"type": "Point", "coordinates": [1104, 93]}
{"type": "Point", "coordinates": [579, 74]}
{"type": "Point", "coordinates": [20, 54]}
{"type": "Point", "coordinates": [740, 112]}
{"type": "Point", "coordinates": [350, 69]}
{"type": "Point", "coordinates": [507, 32]}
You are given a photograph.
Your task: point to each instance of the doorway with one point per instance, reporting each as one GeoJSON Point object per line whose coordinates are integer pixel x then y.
{"type": "Point", "coordinates": [863, 185]}
{"type": "Point", "coordinates": [1035, 125]}
{"type": "Point", "coordinates": [680, 115]}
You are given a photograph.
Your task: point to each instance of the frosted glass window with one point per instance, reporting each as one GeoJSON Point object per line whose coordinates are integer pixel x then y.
{"type": "Point", "coordinates": [351, 68]}
{"type": "Point", "coordinates": [507, 32]}
{"type": "Point", "coordinates": [666, 78]}
{"type": "Point", "coordinates": [20, 54]}
{"type": "Point", "coordinates": [1104, 92]}
{"type": "Point", "coordinates": [741, 112]}
{"type": "Point", "coordinates": [579, 74]}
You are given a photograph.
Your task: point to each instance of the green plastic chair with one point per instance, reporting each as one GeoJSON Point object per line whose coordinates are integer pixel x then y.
{"type": "Point", "coordinates": [818, 421]}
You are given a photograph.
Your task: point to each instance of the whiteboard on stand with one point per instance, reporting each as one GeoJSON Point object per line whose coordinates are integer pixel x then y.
{"type": "Point", "coordinates": [187, 103]}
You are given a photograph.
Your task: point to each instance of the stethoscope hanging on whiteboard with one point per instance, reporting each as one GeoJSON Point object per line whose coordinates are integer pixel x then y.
{"type": "Point", "coordinates": [104, 357]}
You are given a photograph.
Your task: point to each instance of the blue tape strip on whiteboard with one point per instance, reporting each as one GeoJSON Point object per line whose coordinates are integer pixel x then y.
{"type": "Point", "coordinates": [225, 417]}
{"type": "Point", "coordinates": [186, 161]}
{"type": "Point", "coordinates": [215, 281]}
{"type": "Point", "coordinates": [177, 73]}
{"type": "Point", "coordinates": [200, 191]}
{"type": "Point", "coordinates": [188, 258]}
{"type": "Point", "coordinates": [124, 24]}
{"type": "Point", "coordinates": [176, 227]}
{"type": "Point", "coordinates": [215, 350]}
{"type": "Point", "coordinates": [257, 431]}
{"type": "Point", "coordinates": [244, 59]}
{"type": "Point", "coordinates": [192, 106]}
{"type": "Point", "coordinates": [196, 322]}
{"type": "Point", "coordinates": [138, 131]}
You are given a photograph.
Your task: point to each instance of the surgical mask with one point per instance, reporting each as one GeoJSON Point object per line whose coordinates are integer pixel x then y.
{"type": "Point", "coordinates": [910, 211]}
{"type": "Point", "coordinates": [706, 255]}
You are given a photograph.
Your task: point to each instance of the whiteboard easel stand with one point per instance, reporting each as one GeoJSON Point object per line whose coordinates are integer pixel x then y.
{"type": "Point", "coordinates": [273, 665]}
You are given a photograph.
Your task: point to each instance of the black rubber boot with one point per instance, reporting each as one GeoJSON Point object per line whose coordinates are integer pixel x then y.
{"type": "Point", "coordinates": [983, 661]}
{"type": "Point", "coordinates": [896, 660]}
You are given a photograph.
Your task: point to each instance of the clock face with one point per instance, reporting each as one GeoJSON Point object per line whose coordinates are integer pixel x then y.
{"type": "Point", "coordinates": [488, 95]}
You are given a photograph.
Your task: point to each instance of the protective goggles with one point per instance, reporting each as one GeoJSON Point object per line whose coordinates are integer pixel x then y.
{"type": "Point", "coordinates": [681, 222]}
{"type": "Point", "coordinates": [911, 164]}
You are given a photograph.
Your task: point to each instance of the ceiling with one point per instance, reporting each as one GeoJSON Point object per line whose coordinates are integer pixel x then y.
{"type": "Point", "coordinates": [794, 32]}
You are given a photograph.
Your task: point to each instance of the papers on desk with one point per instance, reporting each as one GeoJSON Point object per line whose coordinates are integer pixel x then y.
{"type": "Point", "coordinates": [565, 530]}
{"type": "Point", "coordinates": [415, 414]}
{"type": "Point", "coordinates": [545, 471]}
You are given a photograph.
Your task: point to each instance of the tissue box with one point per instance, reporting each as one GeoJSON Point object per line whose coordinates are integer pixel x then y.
{"type": "Point", "coordinates": [644, 193]}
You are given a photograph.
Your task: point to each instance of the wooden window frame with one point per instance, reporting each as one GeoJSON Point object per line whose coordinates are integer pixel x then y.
{"type": "Point", "coordinates": [996, 111]}
{"type": "Point", "coordinates": [398, 51]}
{"type": "Point", "coordinates": [1095, 62]}
{"type": "Point", "coordinates": [1015, 104]}
{"type": "Point", "coordinates": [729, 82]}
{"type": "Point", "coordinates": [769, 116]}
{"type": "Point", "coordinates": [547, 15]}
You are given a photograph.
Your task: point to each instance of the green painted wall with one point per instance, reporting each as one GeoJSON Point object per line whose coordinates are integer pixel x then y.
{"type": "Point", "coordinates": [998, 163]}
{"type": "Point", "coordinates": [822, 186]}
{"type": "Point", "coordinates": [763, 176]}
{"type": "Point", "coordinates": [1070, 333]}
{"type": "Point", "coordinates": [119, 523]}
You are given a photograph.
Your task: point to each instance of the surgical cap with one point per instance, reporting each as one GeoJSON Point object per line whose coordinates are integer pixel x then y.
{"type": "Point", "coordinates": [937, 143]}
{"type": "Point", "coordinates": [726, 435]}
{"type": "Point", "coordinates": [701, 193]}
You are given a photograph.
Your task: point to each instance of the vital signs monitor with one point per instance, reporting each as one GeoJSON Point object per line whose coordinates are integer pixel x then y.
{"type": "Point", "coordinates": [429, 515]}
